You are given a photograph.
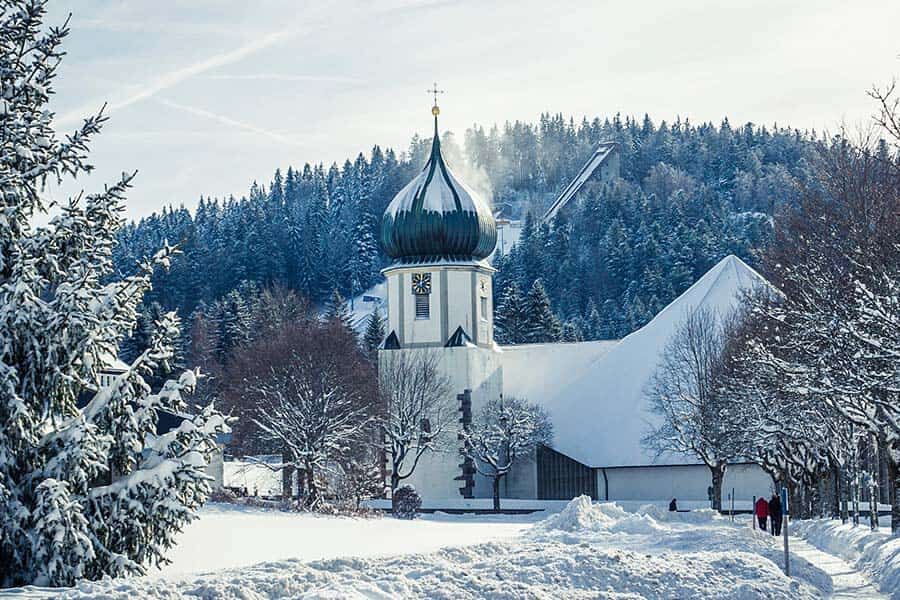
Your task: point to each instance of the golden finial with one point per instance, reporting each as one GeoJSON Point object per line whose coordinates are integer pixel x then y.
{"type": "Point", "coordinates": [435, 110]}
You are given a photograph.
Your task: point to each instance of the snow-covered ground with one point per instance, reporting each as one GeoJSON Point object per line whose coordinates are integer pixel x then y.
{"type": "Point", "coordinates": [876, 553]}
{"type": "Point", "coordinates": [585, 551]}
{"type": "Point", "coordinates": [228, 536]}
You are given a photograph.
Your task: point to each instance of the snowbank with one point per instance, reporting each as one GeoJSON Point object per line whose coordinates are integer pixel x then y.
{"type": "Point", "coordinates": [697, 515]}
{"type": "Point", "coordinates": [875, 552]}
{"type": "Point", "coordinates": [581, 515]}
{"type": "Point", "coordinates": [586, 551]}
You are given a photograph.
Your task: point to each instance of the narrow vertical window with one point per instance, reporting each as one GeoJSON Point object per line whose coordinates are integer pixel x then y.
{"type": "Point", "coordinates": [484, 308]}
{"type": "Point", "coordinates": [423, 306]}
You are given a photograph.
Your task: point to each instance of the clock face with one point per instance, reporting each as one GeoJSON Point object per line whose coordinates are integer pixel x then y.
{"type": "Point", "coordinates": [421, 283]}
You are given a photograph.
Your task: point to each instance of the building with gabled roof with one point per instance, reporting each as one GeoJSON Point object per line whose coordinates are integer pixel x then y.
{"type": "Point", "coordinates": [439, 300]}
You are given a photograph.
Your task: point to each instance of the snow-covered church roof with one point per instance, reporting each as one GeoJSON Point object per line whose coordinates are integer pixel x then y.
{"type": "Point", "coordinates": [437, 217]}
{"type": "Point", "coordinates": [594, 391]}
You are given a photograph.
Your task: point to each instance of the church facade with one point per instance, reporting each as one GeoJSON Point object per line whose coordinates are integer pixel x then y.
{"type": "Point", "coordinates": [440, 234]}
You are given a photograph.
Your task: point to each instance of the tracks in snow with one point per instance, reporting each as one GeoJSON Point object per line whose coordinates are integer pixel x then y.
{"type": "Point", "coordinates": [847, 583]}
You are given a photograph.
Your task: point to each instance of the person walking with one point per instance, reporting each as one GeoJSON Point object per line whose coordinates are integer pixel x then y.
{"type": "Point", "coordinates": [762, 512]}
{"type": "Point", "coordinates": [775, 514]}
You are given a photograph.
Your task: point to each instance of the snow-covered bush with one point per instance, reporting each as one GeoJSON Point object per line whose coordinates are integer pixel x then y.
{"type": "Point", "coordinates": [85, 490]}
{"type": "Point", "coordinates": [407, 502]}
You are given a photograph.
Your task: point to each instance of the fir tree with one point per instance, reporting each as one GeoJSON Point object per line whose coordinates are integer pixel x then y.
{"type": "Point", "coordinates": [510, 317]}
{"type": "Point", "coordinates": [82, 494]}
{"type": "Point", "coordinates": [375, 332]}
{"type": "Point", "coordinates": [338, 311]}
{"type": "Point", "coordinates": [541, 325]}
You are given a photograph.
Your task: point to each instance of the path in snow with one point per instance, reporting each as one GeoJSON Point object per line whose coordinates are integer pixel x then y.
{"type": "Point", "coordinates": [847, 583]}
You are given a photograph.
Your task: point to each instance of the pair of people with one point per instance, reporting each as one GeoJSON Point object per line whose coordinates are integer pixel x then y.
{"type": "Point", "coordinates": [769, 510]}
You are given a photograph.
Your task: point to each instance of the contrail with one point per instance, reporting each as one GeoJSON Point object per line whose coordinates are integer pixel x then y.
{"type": "Point", "coordinates": [287, 77]}
{"type": "Point", "coordinates": [231, 122]}
{"type": "Point", "coordinates": [175, 77]}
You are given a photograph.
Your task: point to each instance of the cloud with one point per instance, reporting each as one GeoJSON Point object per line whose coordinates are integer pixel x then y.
{"type": "Point", "coordinates": [174, 77]}
{"type": "Point", "coordinates": [273, 135]}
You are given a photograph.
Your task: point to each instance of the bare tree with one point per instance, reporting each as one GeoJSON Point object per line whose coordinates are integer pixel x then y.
{"type": "Point", "coordinates": [507, 430]}
{"type": "Point", "coordinates": [307, 391]}
{"type": "Point", "coordinates": [686, 393]}
{"type": "Point", "coordinates": [416, 410]}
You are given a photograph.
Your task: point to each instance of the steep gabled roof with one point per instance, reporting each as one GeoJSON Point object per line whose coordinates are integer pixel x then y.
{"type": "Point", "coordinates": [596, 394]}
{"type": "Point", "coordinates": [603, 152]}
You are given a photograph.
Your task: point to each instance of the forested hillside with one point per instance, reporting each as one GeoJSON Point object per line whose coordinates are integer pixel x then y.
{"type": "Point", "coordinates": [688, 195]}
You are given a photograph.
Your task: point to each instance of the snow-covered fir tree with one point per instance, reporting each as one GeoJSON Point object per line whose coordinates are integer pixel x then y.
{"type": "Point", "coordinates": [337, 310]}
{"type": "Point", "coordinates": [510, 317]}
{"type": "Point", "coordinates": [86, 489]}
{"type": "Point", "coordinates": [541, 325]}
{"type": "Point", "coordinates": [375, 332]}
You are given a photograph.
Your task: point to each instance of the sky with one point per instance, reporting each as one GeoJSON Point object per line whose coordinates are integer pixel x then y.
{"type": "Point", "coordinates": [207, 96]}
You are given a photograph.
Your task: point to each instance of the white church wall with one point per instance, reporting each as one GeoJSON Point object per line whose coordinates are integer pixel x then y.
{"type": "Point", "coordinates": [475, 369]}
{"type": "Point", "coordinates": [455, 301]}
{"type": "Point", "coordinates": [685, 482]}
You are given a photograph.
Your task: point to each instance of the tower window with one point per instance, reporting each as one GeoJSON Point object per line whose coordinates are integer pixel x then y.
{"type": "Point", "coordinates": [484, 308]}
{"type": "Point", "coordinates": [423, 306]}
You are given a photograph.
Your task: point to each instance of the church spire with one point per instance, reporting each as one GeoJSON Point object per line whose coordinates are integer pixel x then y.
{"type": "Point", "coordinates": [435, 216]}
{"type": "Point", "coordinates": [435, 110]}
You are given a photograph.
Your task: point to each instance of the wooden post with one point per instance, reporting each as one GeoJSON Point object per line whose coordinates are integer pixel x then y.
{"type": "Point", "coordinates": [784, 530]}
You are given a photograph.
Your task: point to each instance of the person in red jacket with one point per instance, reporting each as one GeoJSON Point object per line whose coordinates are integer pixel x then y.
{"type": "Point", "coordinates": [762, 512]}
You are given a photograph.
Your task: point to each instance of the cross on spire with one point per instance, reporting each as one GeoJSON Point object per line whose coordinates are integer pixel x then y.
{"type": "Point", "coordinates": [435, 91]}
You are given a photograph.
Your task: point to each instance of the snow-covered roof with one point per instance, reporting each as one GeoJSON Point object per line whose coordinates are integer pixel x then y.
{"type": "Point", "coordinates": [594, 391]}
{"type": "Point", "coordinates": [600, 155]}
{"type": "Point", "coordinates": [112, 364]}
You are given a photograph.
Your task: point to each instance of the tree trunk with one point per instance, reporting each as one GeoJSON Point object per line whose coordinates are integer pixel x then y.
{"type": "Point", "coordinates": [873, 483]}
{"type": "Point", "coordinates": [718, 477]}
{"type": "Point", "coordinates": [395, 483]}
{"type": "Point", "coordinates": [312, 491]}
{"type": "Point", "coordinates": [839, 494]}
{"type": "Point", "coordinates": [894, 474]}
{"type": "Point", "coordinates": [287, 475]}
{"type": "Point", "coordinates": [497, 492]}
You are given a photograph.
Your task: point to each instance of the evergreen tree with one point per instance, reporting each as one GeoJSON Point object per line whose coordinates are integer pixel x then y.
{"type": "Point", "coordinates": [541, 325]}
{"type": "Point", "coordinates": [375, 332]}
{"type": "Point", "coordinates": [82, 494]}
{"type": "Point", "coordinates": [510, 317]}
{"type": "Point", "coordinates": [338, 311]}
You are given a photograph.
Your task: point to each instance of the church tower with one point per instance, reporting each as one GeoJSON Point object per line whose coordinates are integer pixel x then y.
{"type": "Point", "coordinates": [439, 233]}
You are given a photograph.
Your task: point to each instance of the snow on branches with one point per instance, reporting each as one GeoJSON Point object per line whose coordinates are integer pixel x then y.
{"type": "Point", "coordinates": [87, 491]}
{"type": "Point", "coordinates": [686, 392]}
{"type": "Point", "coordinates": [416, 412]}
{"type": "Point", "coordinates": [505, 431]}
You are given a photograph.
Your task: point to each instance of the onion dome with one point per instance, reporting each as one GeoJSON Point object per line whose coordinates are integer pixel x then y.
{"type": "Point", "coordinates": [437, 217]}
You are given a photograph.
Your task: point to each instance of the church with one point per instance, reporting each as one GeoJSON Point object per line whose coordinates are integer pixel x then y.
{"type": "Point", "coordinates": [440, 235]}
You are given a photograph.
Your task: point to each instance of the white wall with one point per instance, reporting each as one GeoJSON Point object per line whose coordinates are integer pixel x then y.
{"type": "Point", "coordinates": [472, 368]}
{"type": "Point", "coordinates": [216, 468]}
{"type": "Point", "coordinates": [685, 482]}
{"type": "Point", "coordinates": [455, 301]}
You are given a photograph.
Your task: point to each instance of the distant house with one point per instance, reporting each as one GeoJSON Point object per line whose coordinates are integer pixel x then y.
{"type": "Point", "coordinates": [167, 421]}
